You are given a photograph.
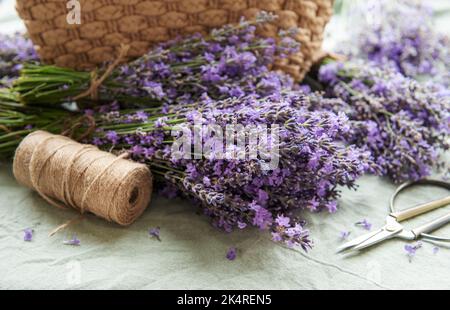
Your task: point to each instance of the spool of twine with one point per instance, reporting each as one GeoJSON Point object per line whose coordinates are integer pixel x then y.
{"type": "Point", "coordinates": [69, 174]}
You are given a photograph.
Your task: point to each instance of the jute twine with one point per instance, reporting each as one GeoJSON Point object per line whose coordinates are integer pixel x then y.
{"type": "Point", "coordinates": [69, 174]}
{"type": "Point", "coordinates": [97, 82]}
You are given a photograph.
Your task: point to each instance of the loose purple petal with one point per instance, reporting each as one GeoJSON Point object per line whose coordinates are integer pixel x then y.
{"type": "Point", "coordinates": [364, 224]}
{"type": "Point", "coordinates": [411, 250]}
{"type": "Point", "coordinates": [155, 233]}
{"type": "Point", "coordinates": [28, 234]}
{"type": "Point", "coordinates": [74, 241]}
{"type": "Point", "coordinates": [231, 254]}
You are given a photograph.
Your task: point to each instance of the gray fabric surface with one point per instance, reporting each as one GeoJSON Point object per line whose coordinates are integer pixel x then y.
{"type": "Point", "coordinates": [192, 253]}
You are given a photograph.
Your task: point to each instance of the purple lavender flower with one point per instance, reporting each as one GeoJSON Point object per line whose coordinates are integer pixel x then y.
{"type": "Point", "coordinates": [97, 141]}
{"type": "Point", "coordinates": [28, 234]}
{"type": "Point", "coordinates": [276, 237]}
{"type": "Point", "coordinates": [283, 221]}
{"type": "Point", "coordinates": [112, 137]}
{"type": "Point", "coordinates": [241, 225]}
{"type": "Point", "coordinates": [232, 253]}
{"type": "Point", "coordinates": [364, 224]}
{"type": "Point", "coordinates": [262, 218]}
{"type": "Point", "coordinates": [412, 249]}
{"type": "Point", "coordinates": [155, 233]}
{"type": "Point", "coordinates": [332, 206]}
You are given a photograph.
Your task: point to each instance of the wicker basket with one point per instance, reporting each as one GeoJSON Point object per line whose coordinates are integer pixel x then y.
{"type": "Point", "coordinates": [105, 24]}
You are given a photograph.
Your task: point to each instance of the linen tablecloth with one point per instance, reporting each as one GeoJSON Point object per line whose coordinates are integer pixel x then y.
{"type": "Point", "coordinates": [191, 254]}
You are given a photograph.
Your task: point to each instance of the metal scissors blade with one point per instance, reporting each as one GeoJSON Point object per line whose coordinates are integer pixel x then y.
{"type": "Point", "coordinates": [357, 241]}
{"type": "Point", "coordinates": [390, 230]}
{"type": "Point", "coordinates": [383, 235]}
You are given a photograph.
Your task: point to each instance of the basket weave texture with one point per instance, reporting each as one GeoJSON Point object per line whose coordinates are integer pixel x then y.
{"type": "Point", "coordinates": [106, 24]}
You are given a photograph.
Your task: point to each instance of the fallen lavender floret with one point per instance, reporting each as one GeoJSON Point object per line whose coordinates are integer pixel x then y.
{"type": "Point", "coordinates": [364, 224]}
{"type": "Point", "coordinates": [28, 234]}
{"type": "Point", "coordinates": [237, 193]}
{"type": "Point", "coordinates": [232, 253]}
{"type": "Point", "coordinates": [411, 250]}
{"type": "Point", "coordinates": [15, 50]}
{"type": "Point", "coordinates": [155, 233]}
{"type": "Point", "coordinates": [74, 241]}
{"type": "Point", "coordinates": [404, 124]}
{"type": "Point", "coordinates": [436, 250]}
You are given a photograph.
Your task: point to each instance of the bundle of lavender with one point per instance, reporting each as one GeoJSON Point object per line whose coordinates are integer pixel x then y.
{"type": "Point", "coordinates": [303, 167]}
{"type": "Point", "coordinates": [397, 116]}
{"type": "Point", "coordinates": [402, 123]}
{"type": "Point", "coordinates": [415, 49]}
{"type": "Point", "coordinates": [231, 61]}
{"type": "Point", "coordinates": [299, 165]}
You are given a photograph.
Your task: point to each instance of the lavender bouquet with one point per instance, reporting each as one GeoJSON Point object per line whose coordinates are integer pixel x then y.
{"type": "Point", "coordinates": [233, 190]}
{"type": "Point", "coordinates": [231, 62]}
{"type": "Point", "coordinates": [401, 122]}
{"type": "Point", "coordinates": [401, 35]}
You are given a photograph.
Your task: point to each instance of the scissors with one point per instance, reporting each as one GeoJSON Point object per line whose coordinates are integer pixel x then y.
{"type": "Point", "coordinates": [393, 228]}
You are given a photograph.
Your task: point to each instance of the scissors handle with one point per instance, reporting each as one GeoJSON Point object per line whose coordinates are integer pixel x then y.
{"type": "Point", "coordinates": [420, 209]}
{"type": "Point", "coordinates": [427, 228]}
